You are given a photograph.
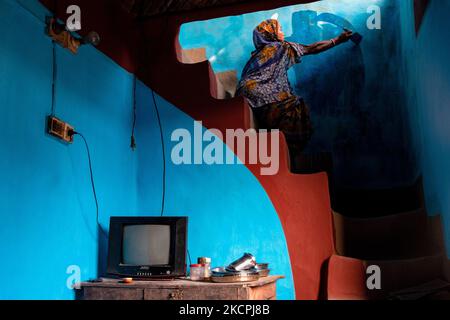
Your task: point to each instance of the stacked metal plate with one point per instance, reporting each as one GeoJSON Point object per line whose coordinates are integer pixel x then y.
{"type": "Point", "coordinates": [227, 275]}
{"type": "Point", "coordinates": [263, 269]}
{"type": "Point", "coordinates": [223, 275]}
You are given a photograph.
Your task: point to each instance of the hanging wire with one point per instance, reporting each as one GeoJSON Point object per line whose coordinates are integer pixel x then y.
{"type": "Point", "coordinates": [161, 131]}
{"type": "Point", "coordinates": [133, 138]}
{"type": "Point", "coordinates": [94, 192]}
{"type": "Point", "coordinates": [54, 77]}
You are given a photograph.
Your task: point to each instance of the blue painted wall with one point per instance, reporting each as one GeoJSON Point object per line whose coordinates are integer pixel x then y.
{"type": "Point", "coordinates": [356, 94]}
{"type": "Point", "coordinates": [429, 77]}
{"type": "Point", "coordinates": [46, 205]}
{"type": "Point", "coordinates": [47, 209]}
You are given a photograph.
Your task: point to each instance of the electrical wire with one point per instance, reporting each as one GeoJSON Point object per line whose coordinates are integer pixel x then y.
{"type": "Point", "coordinates": [133, 138]}
{"type": "Point", "coordinates": [163, 200]}
{"type": "Point", "coordinates": [92, 181]}
{"type": "Point", "coordinates": [161, 131]}
{"type": "Point", "coordinates": [163, 144]}
{"type": "Point", "coordinates": [54, 77]}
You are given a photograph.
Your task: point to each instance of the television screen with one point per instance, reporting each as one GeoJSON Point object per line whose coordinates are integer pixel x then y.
{"type": "Point", "coordinates": [146, 245]}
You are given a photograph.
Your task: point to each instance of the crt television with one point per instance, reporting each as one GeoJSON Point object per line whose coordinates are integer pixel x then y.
{"type": "Point", "coordinates": [147, 247]}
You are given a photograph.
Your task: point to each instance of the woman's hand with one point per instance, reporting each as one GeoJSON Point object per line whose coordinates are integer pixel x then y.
{"type": "Point", "coordinates": [322, 46]}
{"type": "Point", "coordinates": [345, 36]}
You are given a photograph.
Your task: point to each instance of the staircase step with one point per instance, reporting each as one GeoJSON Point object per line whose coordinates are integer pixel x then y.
{"type": "Point", "coordinates": [227, 82]}
{"type": "Point", "coordinates": [434, 290]}
{"type": "Point", "coordinates": [191, 56]}
{"type": "Point", "coordinates": [400, 274]}
{"type": "Point", "coordinates": [404, 235]}
{"type": "Point", "coordinates": [347, 276]}
{"type": "Point", "coordinates": [367, 203]}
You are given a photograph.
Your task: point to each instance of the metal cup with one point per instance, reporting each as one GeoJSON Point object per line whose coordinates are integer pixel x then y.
{"type": "Point", "coordinates": [246, 262]}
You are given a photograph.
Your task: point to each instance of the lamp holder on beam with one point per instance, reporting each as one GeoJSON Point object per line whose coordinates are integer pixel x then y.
{"type": "Point", "coordinates": [59, 33]}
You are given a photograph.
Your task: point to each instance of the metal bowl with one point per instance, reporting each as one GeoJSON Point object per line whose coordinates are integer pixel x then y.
{"type": "Point", "coordinates": [262, 266]}
{"type": "Point", "coordinates": [263, 269]}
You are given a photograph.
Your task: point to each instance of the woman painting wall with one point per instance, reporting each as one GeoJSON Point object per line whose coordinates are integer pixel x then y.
{"type": "Point", "coordinates": [265, 84]}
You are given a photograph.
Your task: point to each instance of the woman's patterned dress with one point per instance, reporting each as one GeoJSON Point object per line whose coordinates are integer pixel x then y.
{"type": "Point", "coordinates": [264, 82]}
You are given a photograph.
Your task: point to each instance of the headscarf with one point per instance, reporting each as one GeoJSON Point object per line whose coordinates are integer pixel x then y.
{"type": "Point", "coordinates": [272, 55]}
{"type": "Point", "coordinates": [267, 44]}
{"type": "Point", "coordinates": [266, 33]}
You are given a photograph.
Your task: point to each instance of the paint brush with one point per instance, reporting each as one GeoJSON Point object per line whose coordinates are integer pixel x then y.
{"type": "Point", "coordinates": [356, 37]}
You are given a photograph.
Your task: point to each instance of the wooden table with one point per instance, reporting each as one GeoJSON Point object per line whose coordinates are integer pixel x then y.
{"type": "Point", "coordinates": [110, 289]}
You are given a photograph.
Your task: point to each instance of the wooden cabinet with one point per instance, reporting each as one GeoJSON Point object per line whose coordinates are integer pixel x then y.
{"type": "Point", "coordinates": [109, 289]}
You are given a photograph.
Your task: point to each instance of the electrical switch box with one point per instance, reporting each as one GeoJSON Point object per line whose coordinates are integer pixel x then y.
{"type": "Point", "coordinates": [60, 129]}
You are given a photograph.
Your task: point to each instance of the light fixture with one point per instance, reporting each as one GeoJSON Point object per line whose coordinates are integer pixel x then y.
{"type": "Point", "coordinates": [59, 33]}
{"type": "Point", "coordinates": [92, 38]}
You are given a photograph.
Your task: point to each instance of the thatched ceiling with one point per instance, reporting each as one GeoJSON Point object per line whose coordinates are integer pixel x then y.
{"type": "Point", "coordinates": [151, 8]}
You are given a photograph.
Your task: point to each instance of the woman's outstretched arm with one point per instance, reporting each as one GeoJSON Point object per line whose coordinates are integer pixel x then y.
{"type": "Point", "coordinates": [322, 46]}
